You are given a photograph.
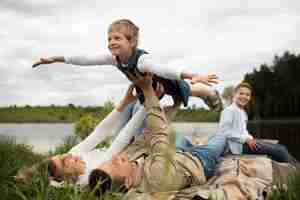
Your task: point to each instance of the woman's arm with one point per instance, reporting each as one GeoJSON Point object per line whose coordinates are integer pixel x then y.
{"type": "Point", "coordinates": [126, 134]}
{"type": "Point", "coordinates": [111, 125]}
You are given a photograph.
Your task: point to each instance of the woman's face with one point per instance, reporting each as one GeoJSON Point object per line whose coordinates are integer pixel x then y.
{"type": "Point", "coordinates": [67, 164]}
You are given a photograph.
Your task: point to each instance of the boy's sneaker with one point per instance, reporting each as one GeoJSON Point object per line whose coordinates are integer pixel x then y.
{"type": "Point", "coordinates": [214, 102]}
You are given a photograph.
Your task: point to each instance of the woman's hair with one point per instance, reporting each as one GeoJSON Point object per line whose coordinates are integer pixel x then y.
{"type": "Point", "coordinates": [54, 173]}
{"type": "Point", "coordinates": [27, 174]}
{"type": "Point", "coordinates": [243, 85]}
{"type": "Point", "coordinates": [128, 28]}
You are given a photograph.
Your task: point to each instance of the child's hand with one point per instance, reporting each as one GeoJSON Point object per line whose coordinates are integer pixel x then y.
{"type": "Point", "coordinates": [130, 95]}
{"type": "Point", "coordinates": [252, 144]}
{"type": "Point", "coordinates": [207, 80]}
{"type": "Point", "coordinates": [44, 61]}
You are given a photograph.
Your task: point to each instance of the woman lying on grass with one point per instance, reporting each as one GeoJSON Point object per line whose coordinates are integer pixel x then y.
{"type": "Point", "coordinates": [76, 165]}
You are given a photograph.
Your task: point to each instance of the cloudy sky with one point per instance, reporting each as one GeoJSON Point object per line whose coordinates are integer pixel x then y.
{"type": "Point", "coordinates": [229, 38]}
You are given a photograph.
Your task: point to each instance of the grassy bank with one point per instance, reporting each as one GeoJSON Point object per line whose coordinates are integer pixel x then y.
{"type": "Point", "coordinates": [71, 113]}
{"type": "Point", "coordinates": [196, 115]}
{"type": "Point", "coordinates": [48, 114]}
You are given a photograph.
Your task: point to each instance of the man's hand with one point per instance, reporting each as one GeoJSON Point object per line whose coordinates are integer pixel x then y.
{"type": "Point", "coordinates": [252, 144]}
{"type": "Point", "coordinates": [142, 81]}
{"type": "Point", "coordinates": [207, 80]}
{"type": "Point", "coordinates": [48, 61]}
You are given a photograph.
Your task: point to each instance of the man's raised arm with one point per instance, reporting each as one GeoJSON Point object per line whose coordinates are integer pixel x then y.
{"type": "Point", "coordinates": [156, 131]}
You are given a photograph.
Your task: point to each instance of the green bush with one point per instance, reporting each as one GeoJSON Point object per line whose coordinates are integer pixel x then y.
{"type": "Point", "coordinates": [87, 123]}
{"type": "Point", "coordinates": [65, 146]}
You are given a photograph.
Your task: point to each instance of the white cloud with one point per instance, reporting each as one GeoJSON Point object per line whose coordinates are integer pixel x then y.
{"type": "Point", "coordinates": [229, 38]}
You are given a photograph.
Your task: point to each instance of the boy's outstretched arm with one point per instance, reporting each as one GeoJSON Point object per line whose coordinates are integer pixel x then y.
{"type": "Point", "coordinates": [83, 60]}
{"type": "Point", "coordinates": [147, 64]}
{"type": "Point", "coordinates": [197, 78]}
{"type": "Point", "coordinates": [49, 60]}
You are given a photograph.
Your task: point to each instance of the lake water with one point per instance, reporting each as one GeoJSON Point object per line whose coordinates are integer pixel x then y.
{"type": "Point", "coordinates": [45, 136]}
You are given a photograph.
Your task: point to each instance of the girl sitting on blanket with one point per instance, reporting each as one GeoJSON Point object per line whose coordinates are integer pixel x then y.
{"type": "Point", "coordinates": [233, 124]}
{"type": "Point", "coordinates": [76, 165]}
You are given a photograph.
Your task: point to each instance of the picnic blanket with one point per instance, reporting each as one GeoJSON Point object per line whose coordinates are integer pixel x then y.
{"type": "Point", "coordinates": [236, 178]}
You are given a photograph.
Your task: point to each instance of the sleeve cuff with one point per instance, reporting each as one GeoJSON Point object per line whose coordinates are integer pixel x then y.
{"type": "Point", "coordinates": [67, 60]}
{"type": "Point", "coordinates": [246, 137]}
{"type": "Point", "coordinates": [179, 73]}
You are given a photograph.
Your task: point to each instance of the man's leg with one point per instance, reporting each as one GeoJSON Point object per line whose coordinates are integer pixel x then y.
{"type": "Point", "coordinates": [276, 152]}
{"type": "Point", "coordinates": [210, 153]}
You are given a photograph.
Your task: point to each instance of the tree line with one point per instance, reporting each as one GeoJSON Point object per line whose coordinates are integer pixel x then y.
{"type": "Point", "coordinates": [276, 88]}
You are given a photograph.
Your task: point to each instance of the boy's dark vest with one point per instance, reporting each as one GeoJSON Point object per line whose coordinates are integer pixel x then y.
{"type": "Point", "coordinates": [176, 89]}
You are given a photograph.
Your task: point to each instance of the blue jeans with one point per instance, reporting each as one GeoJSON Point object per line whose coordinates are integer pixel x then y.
{"type": "Point", "coordinates": [210, 153]}
{"type": "Point", "coordinates": [276, 152]}
{"type": "Point", "coordinates": [182, 143]}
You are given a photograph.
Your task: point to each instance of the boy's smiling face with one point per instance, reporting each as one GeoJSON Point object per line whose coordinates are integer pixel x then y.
{"type": "Point", "coordinates": [119, 45]}
{"type": "Point", "coordinates": [242, 96]}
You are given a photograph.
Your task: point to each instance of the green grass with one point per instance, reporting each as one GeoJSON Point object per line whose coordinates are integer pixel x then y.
{"type": "Point", "coordinates": [288, 191]}
{"type": "Point", "coordinates": [14, 156]}
{"type": "Point", "coordinates": [196, 115]}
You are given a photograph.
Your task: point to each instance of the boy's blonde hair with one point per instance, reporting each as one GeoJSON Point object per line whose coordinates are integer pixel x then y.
{"type": "Point", "coordinates": [128, 28]}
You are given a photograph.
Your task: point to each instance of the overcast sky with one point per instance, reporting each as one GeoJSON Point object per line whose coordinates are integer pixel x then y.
{"type": "Point", "coordinates": [229, 38]}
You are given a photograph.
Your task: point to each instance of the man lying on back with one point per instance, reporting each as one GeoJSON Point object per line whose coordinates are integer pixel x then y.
{"type": "Point", "coordinates": [164, 169]}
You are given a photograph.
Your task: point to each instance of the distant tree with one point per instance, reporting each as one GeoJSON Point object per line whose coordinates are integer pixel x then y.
{"type": "Point", "coordinates": [27, 107]}
{"type": "Point", "coordinates": [276, 88]}
{"type": "Point", "coordinates": [72, 106]}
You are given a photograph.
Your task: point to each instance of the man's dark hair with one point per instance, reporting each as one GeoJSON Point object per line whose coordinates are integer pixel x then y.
{"type": "Point", "coordinates": [99, 182]}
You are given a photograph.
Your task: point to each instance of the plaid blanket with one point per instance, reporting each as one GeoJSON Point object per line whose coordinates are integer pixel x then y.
{"type": "Point", "coordinates": [237, 178]}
